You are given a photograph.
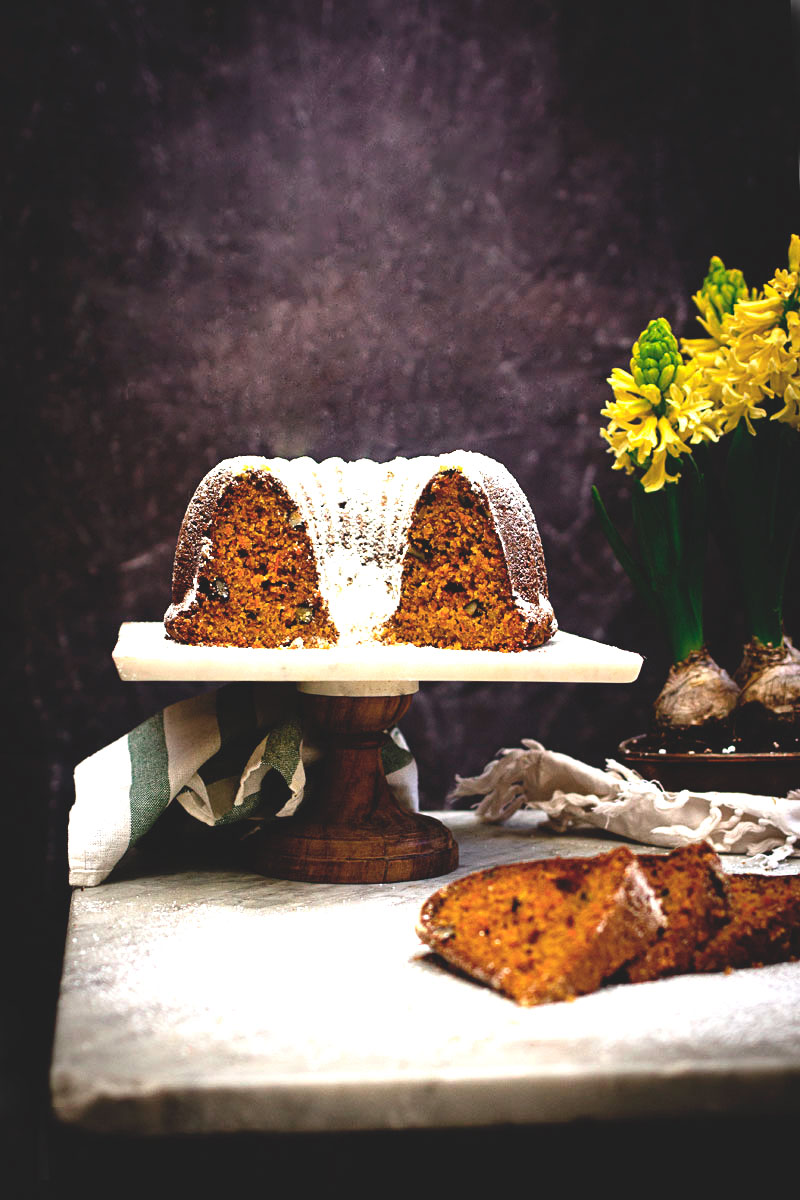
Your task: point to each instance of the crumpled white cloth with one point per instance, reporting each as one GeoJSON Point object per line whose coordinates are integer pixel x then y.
{"type": "Point", "coordinates": [619, 800]}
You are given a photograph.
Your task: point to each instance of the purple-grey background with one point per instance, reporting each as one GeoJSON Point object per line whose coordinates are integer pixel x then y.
{"type": "Point", "coordinates": [362, 229]}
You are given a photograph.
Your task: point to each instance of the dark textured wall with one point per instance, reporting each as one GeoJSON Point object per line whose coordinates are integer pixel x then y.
{"type": "Point", "coordinates": [357, 229]}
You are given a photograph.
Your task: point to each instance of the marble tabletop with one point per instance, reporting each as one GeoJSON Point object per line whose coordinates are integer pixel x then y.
{"type": "Point", "coordinates": [213, 1000]}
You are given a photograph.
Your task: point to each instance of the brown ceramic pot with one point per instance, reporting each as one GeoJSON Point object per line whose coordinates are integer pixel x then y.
{"type": "Point", "coordinates": [772, 773]}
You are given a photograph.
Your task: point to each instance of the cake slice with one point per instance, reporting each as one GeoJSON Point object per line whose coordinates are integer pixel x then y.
{"type": "Point", "coordinates": [763, 925]}
{"type": "Point", "coordinates": [246, 571]}
{"type": "Point", "coordinates": [692, 888]}
{"type": "Point", "coordinates": [472, 556]}
{"type": "Point", "coordinates": [544, 931]}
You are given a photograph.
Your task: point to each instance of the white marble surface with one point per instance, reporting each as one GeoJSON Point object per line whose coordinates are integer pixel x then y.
{"type": "Point", "coordinates": [144, 652]}
{"type": "Point", "coordinates": [215, 1001]}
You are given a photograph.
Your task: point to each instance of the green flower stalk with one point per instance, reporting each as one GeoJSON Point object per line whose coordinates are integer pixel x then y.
{"type": "Point", "coordinates": [762, 490]}
{"type": "Point", "coordinates": [668, 571]}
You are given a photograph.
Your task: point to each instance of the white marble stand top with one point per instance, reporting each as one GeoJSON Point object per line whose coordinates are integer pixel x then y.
{"type": "Point", "coordinates": [144, 652]}
{"type": "Point", "coordinates": [211, 1001]}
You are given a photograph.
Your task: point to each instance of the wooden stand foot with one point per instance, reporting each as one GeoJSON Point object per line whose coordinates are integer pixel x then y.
{"type": "Point", "coordinates": [349, 827]}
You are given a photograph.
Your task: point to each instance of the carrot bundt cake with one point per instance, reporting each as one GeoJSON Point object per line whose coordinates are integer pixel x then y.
{"type": "Point", "coordinates": [431, 551]}
{"type": "Point", "coordinates": [544, 931]}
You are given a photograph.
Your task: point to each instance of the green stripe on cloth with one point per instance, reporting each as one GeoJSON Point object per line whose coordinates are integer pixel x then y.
{"type": "Point", "coordinates": [394, 757]}
{"type": "Point", "coordinates": [283, 749]}
{"type": "Point", "coordinates": [273, 795]}
{"type": "Point", "coordinates": [149, 792]}
{"type": "Point", "coordinates": [281, 754]}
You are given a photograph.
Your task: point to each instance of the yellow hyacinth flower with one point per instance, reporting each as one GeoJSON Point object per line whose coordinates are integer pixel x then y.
{"type": "Point", "coordinates": [656, 415]}
{"type": "Point", "coordinates": [763, 342]}
{"type": "Point", "coordinates": [739, 399]}
{"type": "Point", "coordinates": [738, 379]}
{"type": "Point", "coordinates": [793, 330]}
{"type": "Point", "coordinates": [748, 367]}
{"type": "Point", "coordinates": [790, 413]}
{"type": "Point", "coordinates": [720, 291]}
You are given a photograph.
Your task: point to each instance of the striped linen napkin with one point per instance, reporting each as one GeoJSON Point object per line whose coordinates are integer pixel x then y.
{"type": "Point", "coordinates": [226, 754]}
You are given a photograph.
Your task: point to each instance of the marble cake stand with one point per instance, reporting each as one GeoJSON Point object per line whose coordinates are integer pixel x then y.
{"type": "Point", "coordinates": [350, 828]}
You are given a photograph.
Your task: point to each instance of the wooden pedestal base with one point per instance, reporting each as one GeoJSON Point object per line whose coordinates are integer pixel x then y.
{"type": "Point", "coordinates": [349, 827]}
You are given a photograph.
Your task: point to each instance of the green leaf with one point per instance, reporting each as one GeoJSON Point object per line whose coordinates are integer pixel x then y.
{"type": "Point", "coordinates": [625, 558]}
{"type": "Point", "coordinates": [762, 487]}
{"type": "Point", "coordinates": [670, 530]}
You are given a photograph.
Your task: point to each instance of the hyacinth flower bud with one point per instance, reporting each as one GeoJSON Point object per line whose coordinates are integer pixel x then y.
{"type": "Point", "coordinates": [656, 356]}
{"type": "Point", "coordinates": [722, 289]}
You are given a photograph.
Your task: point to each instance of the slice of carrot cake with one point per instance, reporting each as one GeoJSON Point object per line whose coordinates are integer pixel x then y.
{"type": "Point", "coordinates": [544, 931]}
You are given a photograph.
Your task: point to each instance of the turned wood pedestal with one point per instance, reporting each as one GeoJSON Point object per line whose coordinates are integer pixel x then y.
{"type": "Point", "coordinates": [349, 827]}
